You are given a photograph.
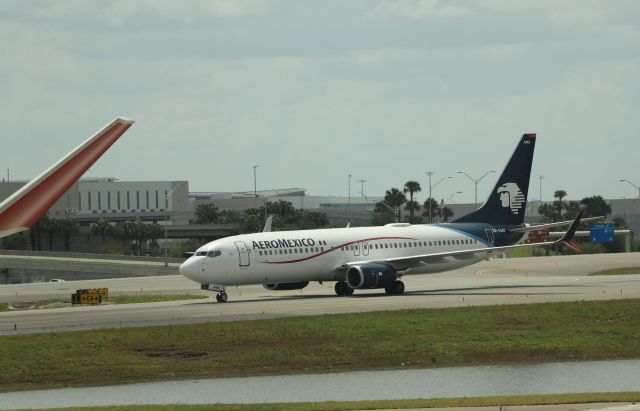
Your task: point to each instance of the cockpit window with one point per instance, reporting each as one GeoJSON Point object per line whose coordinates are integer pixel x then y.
{"type": "Point", "coordinates": [214, 253]}
{"type": "Point", "coordinates": [201, 253]}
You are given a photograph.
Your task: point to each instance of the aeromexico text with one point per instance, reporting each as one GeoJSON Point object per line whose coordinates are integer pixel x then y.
{"type": "Point", "coordinates": [282, 243]}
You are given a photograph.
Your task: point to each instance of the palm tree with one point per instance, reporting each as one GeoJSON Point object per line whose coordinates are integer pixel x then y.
{"type": "Point", "coordinates": [36, 231]}
{"type": "Point", "coordinates": [558, 205]}
{"type": "Point", "coordinates": [411, 187]}
{"type": "Point", "coordinates": [67, 226]}
{"type": "Point", "coordinates": [394, 198]}
{"type": "Point", "coordinates": [207, 214]}
{"type": "Point", "coordinates": [50, 226]}
{"type": "Point", "coordinates": [103, 228]}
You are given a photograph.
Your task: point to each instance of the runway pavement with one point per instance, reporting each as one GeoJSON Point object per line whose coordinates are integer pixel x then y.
{"type": "Point", "coordinates": [499, 281]}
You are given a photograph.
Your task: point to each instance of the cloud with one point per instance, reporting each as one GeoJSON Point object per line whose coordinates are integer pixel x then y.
{"type": "Point", "coordinates": [419, 9]}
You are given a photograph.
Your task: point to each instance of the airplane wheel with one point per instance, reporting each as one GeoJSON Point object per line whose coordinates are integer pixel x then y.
{"type": "Point", "coordinates": [396, 288]}
{"type": "Point", "coordinates": [349, 290]}
{"type": "Point", "coordinates": [341, 288]}
{"type": "Point", "coordinates": [221, 297]}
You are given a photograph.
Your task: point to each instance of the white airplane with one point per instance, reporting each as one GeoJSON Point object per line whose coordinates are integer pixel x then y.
{"type": "Point", "coordinates": [375, 257]}
{"type": "Point", "coordinates": [25, 207]}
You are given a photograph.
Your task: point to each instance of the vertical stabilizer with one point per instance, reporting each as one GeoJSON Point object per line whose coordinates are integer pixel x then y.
{"type": "Point", "coordinates": [27, 205]}
{"type": "Point", "coordinates": [507, 202]}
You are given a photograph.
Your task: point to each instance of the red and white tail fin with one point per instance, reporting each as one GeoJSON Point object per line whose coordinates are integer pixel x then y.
{"type": "Point", "coordinates": [27, 205]}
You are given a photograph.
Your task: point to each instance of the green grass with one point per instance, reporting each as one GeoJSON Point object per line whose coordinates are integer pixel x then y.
{"type": "Point", "coordinates": [549, 399]}
{"type": "Point", "coordinates": [519, 253]}
{"type": "Point", "coordinates": [505, 334]}
{"type": "Point", "coordinates": [618, 271]}
{"type": "Point", "coordinates": [4, 307]}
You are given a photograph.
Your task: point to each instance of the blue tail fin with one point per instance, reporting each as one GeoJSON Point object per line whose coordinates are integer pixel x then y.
{"type": "Point", "coordinates": [508, 199]}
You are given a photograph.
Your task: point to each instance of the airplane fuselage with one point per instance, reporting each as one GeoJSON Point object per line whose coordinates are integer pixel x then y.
{"type": "Point", "coordinates": [318, 255]}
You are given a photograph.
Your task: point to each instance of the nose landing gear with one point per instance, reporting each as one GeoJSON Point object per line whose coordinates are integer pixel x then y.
{"type": "Point", "coordinates": [221, 297]}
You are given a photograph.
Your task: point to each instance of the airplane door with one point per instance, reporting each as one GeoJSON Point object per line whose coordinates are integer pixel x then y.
{"type": "Point", "coordinates": [365, 248]}
{"type": "Point", "coordinates": [490, 237]}
{"type": "Point", "coordinates": [243, 253]}
{"type": "Point", "coordinates": [356, 249]}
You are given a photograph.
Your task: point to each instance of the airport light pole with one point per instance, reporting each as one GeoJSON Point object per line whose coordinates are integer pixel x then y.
{"type": "Point", "coordinates": [540, 178]}
{"type": "Point", "coordinates": [432, 186]}
{"type": "Point", "coordinates": [631, 184]}
{"type": "Point", "coordinates": [166, 222]}
{"type": "Point", "coordinates": [476, 181]}
{"type": "Point", "coordinates": [348, 196]}
{"type": "Point", "coordinates": [362, 187]}
{"type": "Point", "coordinates": [255, 187]}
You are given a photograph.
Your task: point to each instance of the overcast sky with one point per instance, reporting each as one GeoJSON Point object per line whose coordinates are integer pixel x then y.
{"type": "Point", "coordinates": [312, 91]}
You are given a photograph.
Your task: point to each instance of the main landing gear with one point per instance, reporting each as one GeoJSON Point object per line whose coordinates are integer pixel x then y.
{"type": "Point", "coordinates": [342, 288]}
{"type": "Point", "coordinates": [221, 297]}
{"type": "Point", "coordinates": [397, 287]}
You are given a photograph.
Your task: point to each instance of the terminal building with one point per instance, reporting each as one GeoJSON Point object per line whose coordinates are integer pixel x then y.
{"type": "Point", "coordinates": [91, 199]}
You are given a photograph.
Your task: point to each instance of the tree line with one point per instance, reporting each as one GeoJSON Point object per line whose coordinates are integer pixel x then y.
{"type": "Point", "coordinates": [135, 237]}
{"type": "Point", "coordinates": [559, 209]}
{"type": "Point", "coordinates": [285, 216]}
{"type": "Point", "coordinates": [390, 209]}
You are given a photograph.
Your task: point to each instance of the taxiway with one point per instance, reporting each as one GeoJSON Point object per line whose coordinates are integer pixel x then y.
{"type": "Point", "coordinates": [498, 281]}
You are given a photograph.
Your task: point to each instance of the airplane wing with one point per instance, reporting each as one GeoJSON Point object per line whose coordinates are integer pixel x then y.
{"type": "Point", "coordinates": [550, 225]}
{"type": "Point", "coordinates": [403, 263]}
{"type": "Point", "coordinates": [24, 207]}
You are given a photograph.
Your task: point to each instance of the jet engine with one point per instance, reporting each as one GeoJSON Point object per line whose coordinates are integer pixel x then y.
{"type": "Point", "coordinates": [371, 276]}
{"type": "Point", "coordinates": [286, 286]}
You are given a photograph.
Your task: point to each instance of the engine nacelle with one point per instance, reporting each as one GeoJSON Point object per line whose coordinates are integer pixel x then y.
{"type": "Point", "coordinates": [370, 276]}
{"type": "Point", "coordinates": [286, 286]}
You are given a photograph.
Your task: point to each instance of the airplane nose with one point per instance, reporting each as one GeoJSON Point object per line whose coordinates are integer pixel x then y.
{"type": "Point", "coordinates": [190, 270]}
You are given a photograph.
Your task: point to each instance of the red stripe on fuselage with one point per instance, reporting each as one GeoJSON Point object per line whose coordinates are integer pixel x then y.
{"type": "Point", "coordinates": [337, 248]}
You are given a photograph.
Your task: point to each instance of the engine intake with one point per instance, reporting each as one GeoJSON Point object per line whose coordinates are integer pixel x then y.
{"type": "Point", "coordinates": [286, 286]}
{"type": "Point", "coordinates": [371, 276]}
